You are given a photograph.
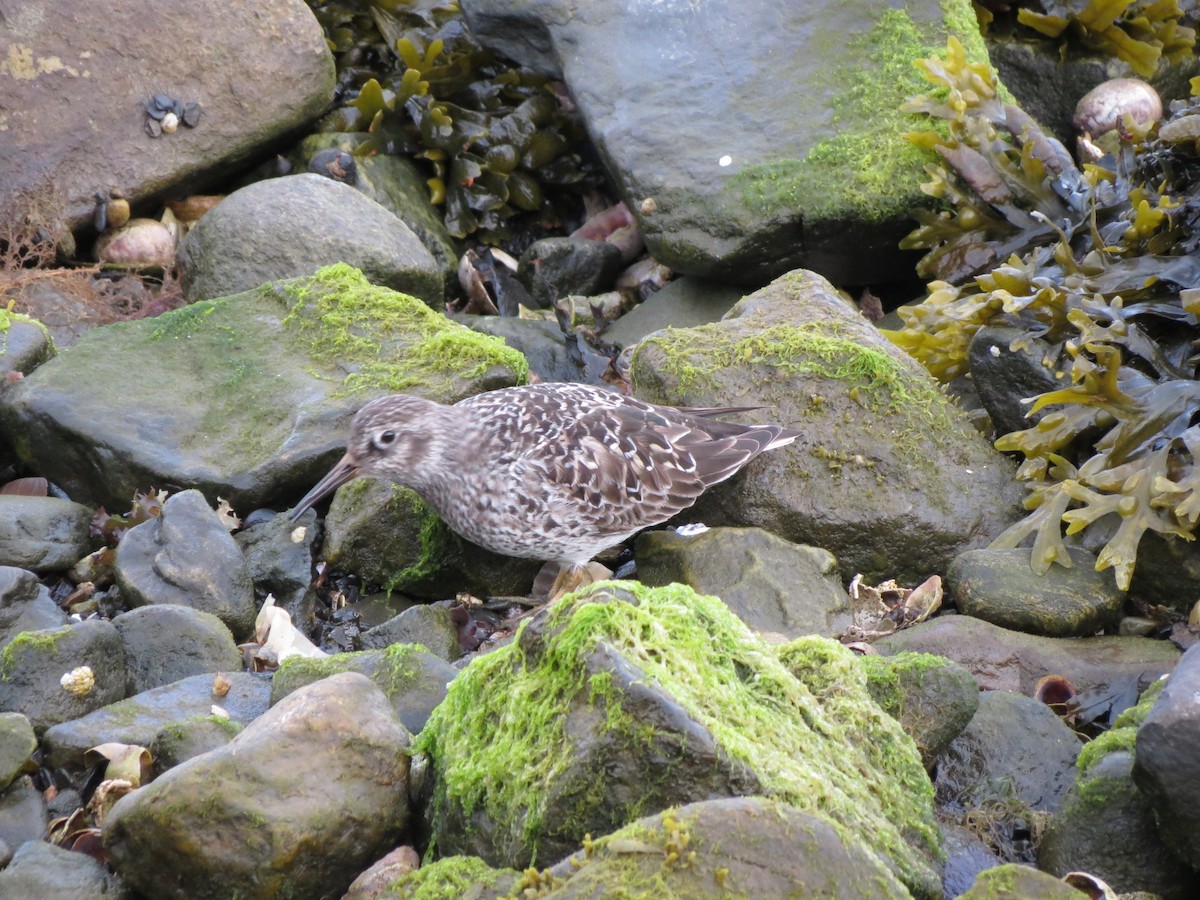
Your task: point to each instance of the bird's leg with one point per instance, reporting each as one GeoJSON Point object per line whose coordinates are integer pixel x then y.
{"type": "Point", "coordinates": [557, 579]}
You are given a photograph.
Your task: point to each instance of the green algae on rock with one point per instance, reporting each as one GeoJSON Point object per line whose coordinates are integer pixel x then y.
{"type": "Point", "coordinates": [620, 700]}
{"type": "Point", "coordinates": [240, 395]}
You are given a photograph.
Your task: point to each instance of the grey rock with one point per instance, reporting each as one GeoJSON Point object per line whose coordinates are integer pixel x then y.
{"type": "Point", "coordinates": [1016, 757]}
{"type": "Point", "coordinates": [1003, 660]}
{"type": "Point", "coordinates": [398, 185]}
{"type": "Point", "coordinates": [887, 474]}
{"type": "Point", "coordinates": [430, 626]}
{"type": "Point", "coordinates": [998, 586]}
{"type": "Point", "coordinates": [195, 814]}
{"type": "Point", "coordinates": [35, 662]}
{"type": "Point", "coordinates": [138, 720]}
{"type": "Point", "coordinates": [682, 303]}
{"type": "Point", "coordinates": [110, 66]}
{"type": "Point", "coordinates": [413, 680]}
{"type": "Point", "coordinates": [553, 268]}
{"type": "Point", "coordinates": [180, 741]}
{"type": "Point", "coordinates": [43, 534]}
{"type": "Point", "coordinates": [1106, 827]}
{"type": "Point", "coordinates": [24, 344]}
{"type": "Point", "coordinates": [966, 856]}
{"type": "Point", "coordinates": [17, 743]}
{"type": "Point", "coordinates": [290, 227]}
{"type": "Point", "coordinates": [1004, 375]}
{"type": "Point", "coordinates": [22, 813]}
{"type": "Point", "coordinates": [187, 557]}
{"type": "Point", "coordinates": [40, 869]}
{"type": "Point", "coordinates": [1166, 767]}
{"type": "Point", "coordinates": [753, 846]}
{"type": "Point", "coordinates": [279, 555]}
{"type": "Point", "coordinates": [243, 397]}
{"type": "Point", "coordinates": [165, 643]}
{"type": "Point", "coordinates": [715, 187]}
{"type": "Point", "coordinates": [771, 584]}
{"type": "Point", "coordinates": [25, 605]}
{"type": "Point", "coordinates": [541, 342]}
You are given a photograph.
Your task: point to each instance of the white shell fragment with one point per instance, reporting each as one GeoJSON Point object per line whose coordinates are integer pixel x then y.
{"type": "Point", "coordinates": [78, 681]}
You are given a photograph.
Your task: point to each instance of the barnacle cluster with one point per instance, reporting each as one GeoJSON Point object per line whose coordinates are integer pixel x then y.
{"type": "Point", "coordinates": [1097, 263]}
{"type": "Point", "coordinates": [499, 140]}
{"type": "Point", "coordinates": [1141, 32]}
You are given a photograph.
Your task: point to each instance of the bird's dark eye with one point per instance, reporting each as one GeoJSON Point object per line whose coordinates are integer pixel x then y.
{"type": "Point", "coordinates": [385, 439]}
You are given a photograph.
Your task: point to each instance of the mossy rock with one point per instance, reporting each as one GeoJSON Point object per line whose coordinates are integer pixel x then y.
{"type": "Point", "coordinates": [621, 700]}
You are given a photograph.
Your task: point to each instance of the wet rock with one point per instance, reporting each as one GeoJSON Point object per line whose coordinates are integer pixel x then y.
{"type": "Point", "coordinates": [748, 846]}
{"type": "Point", "coordinates": [17, 743]}
{"type": "Point", "coordinates": [279, 555]}
{"type": "Point", "coordinates": [683, 303]}
{"type": "Point", "coordinates": [414, 681]}
{"type": "Point", "coordinates": [887, 474]}
{"type": "Point", "coordinates": [139, 719]}
{"type": "Point", "coordinates": [22, 813]}
{"type": "Point", "coordinates": [1016, 882]}
{"type": "Point", "coordinates": [677, 684]}
{"type": "Point", "coordinates": [290, 227]}
{"type": "Point", "coordinates": [187, 557]}
{"type": "Point", "coordinates": [231, 821]}
{"type": "Point", "coordinates": [376, 882]}
{"type": "Point", "coordinates": [1105, 827]}
{"type": "Point", "coordinates": [398, 185]}
{"type": "Point", "coordinates": [25, 605]}
{"type": "Point", "coordinates": [553, 268]}
{"type": "Point", "coordinates": [430, 626]}
{"type": "Point", "coordinates": [998, 586]}
{"type": "Point", "coordinates": [180, 741]}
{"type": "Point", "coordinates": [931, 697]}
{"type": "Point", "coordinates": [1014, 760]}
{"type": "Point", "coordinates": [771, 584]}
{"type": "Point", "coordinates": [1004, 376]}
{"type": "Point", "coordinates": [715, 190]}
{"type": "Point", "coordinates": [966, 856]}
{"type": "Point", "coordinates": [390, 538]}
{"type": "Point", "coordinates": [40, 869]}
{"type": "Point", "coordinates": [24, 344]}
{"type": "Point", "coordinates": [1002, 660]}
{"type": "Point", "coordinates": [35, 663]}
{"type": "Point", "coordinates": [542, 343]}
{"type": "Point", "coordinates": [1167, 768]}
{"type": "Point", "coordinates": [165, 643]}
{"type": "Point", "coordinates": [225, 397]}
{"type": "Point", "coordinates": [43, 534]}
{"type": "Point", "coordinates": [138, 244]}
{"type": "Point", "coordinates": [110, 66]}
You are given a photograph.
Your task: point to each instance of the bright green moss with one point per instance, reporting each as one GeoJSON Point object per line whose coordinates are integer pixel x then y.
{"type": "Point", "coordinates": [28, 643]}
{"type": "Point", "coordinates": [498, 739]}
{"type": "Point", "coordinates": [450, 878]}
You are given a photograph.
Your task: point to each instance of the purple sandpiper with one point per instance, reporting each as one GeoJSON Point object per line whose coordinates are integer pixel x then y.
{"type": "Point", "coordinates": [556, 472]}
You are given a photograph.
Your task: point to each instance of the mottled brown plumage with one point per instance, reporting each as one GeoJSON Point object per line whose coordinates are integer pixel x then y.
{"type": "Point", "coordinates": [547, 471]}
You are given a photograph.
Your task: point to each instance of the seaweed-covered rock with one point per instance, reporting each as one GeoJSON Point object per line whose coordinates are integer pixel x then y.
{"type": "Point", "coordinates": [998, 586]}
{"type": "Point", "coordinates": [247, 397]}
{"type": "Point", "coordinates": [1016, 882]}
{"type": "Point", "coordinates": [261, 817]}
{"type": "Point", "coordinates": [769, 583]}
{"type": "Point", "coordinates": [931, 697]}
{"type": "Point", "coordinates": [744, 846]}
{"type": "Point", "coordinates": [620, 700]}
{"type": "Point", "coordinates": [388, 536]}
{"type": "Point", "coordinates": [290, 227]}
{"type": "Point", "coordinates": [430, 626]}
{"type": "Point", "coordinates": [887, 473]}
{"type": "Point", "coordinates": [833, 196]}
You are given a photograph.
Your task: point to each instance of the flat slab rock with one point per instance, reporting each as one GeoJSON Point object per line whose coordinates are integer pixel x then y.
{"type": "Point", "coordinates": [75, 88]}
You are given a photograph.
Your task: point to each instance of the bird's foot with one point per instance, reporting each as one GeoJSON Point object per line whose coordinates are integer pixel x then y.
{"type": "Point", "coordinates": [556, 579]}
